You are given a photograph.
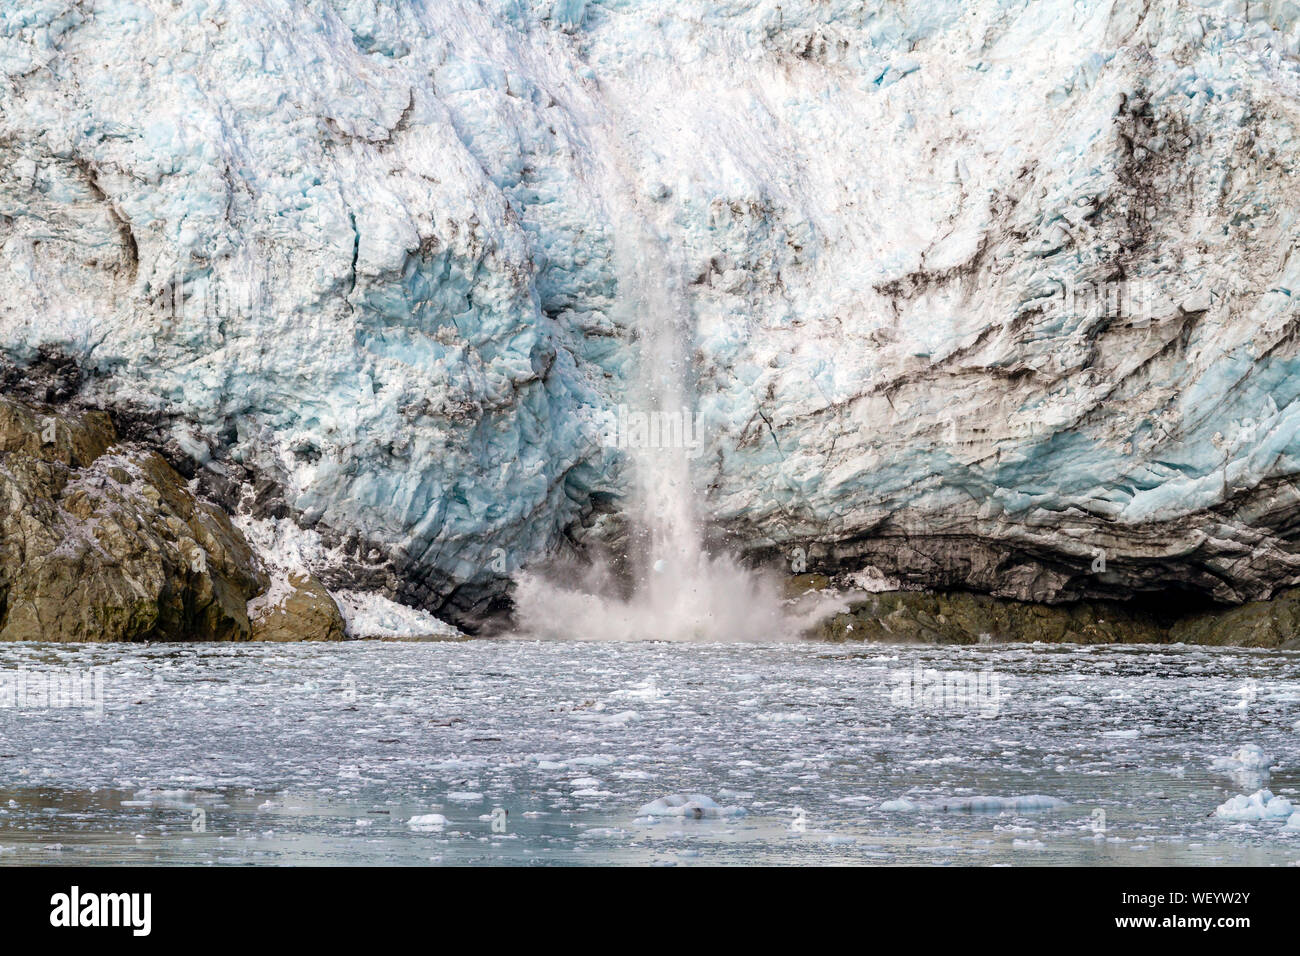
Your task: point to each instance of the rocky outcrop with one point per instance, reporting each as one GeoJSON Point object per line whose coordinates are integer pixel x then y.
{"type": "Point", "coordinates": [1272, 623]}
{"type": "Point", "coordinates": [296, 608]}
{"type": "Point", "coordinates": [103, 541]}
{"type": "Point", "coordinates": [916, 617]}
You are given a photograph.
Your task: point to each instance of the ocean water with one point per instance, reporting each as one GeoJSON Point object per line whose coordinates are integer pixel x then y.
{"type": "Point", "coordinates": [548, 752]}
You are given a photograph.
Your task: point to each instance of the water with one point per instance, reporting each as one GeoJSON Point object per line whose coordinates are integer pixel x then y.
{"type": "Point", "coordinates": [321, 754]}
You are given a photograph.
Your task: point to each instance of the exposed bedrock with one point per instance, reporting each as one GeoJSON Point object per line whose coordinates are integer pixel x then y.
{"type": "Point", "coordinates": [914, 617]}
{"type": "Point", "coordinates": [102, 540]}
{"type": "Point", "coordinates": [982, 294]}
{"type": "Point", "coordinates": [297, 609]}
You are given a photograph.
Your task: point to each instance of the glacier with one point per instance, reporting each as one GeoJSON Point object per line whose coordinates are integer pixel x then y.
{"type": "Point", "coordinates": [989, 295]}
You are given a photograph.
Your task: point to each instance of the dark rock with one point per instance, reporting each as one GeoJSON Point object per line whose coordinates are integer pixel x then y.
{"type": "Point", "coordinates": [922, 617]}
{"type": "Point", "coordinates": [300, 610]}
{"type": "Point", "coordinates": [101, 541]}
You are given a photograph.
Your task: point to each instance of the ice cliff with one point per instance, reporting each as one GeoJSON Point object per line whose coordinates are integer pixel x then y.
{"type": "Point", "coordinates": [994, 295]}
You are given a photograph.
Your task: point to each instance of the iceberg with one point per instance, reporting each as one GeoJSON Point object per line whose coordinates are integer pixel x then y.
{"type": "Point", "coordinates": [1260, 805]}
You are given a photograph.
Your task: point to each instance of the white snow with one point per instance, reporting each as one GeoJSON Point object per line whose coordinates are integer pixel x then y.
{"type": "Point", "coordinates": [274, 596]}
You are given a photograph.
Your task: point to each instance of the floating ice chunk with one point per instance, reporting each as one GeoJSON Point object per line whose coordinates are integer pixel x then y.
{"type": "Point", "coordinates": [1033, 801]}
{"type": "Point", "coordinates": [611, 720]}
{"type": "Point", "coordinates": [464, 796]}
{"type": "Point", "coordinates": [902, 803]}
{"type": "Point", "coordinates": [613, 833]}
{"type": "Point", "coordinates": [1028, 844]}
{"type": "Point", "coordinates": [1260, 805]}
{"type": "Point", "coordinates": [978, 804]}
{"type": "Point", "coordinates": [596, 760]}
{"type": "Point", "coordinates": [1248, 766]}
{"type": "Point", "coordinates": [645, 690]}
{"type": "Point", "coordinates": [695, 805]}
{"type": "Point", "coordinates": [428, 821]}
{"type": "Point", "coordinates": [1249, 757]}
{"type": "Point", "coordinates": [1293, 821]}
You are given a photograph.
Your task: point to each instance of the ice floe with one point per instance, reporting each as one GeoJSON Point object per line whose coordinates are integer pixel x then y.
{"type": "Point", "coordinates": [979, 804]}
{"type": "Point", "coordinates": [427, 821]}
{"type": "Point", "coordinates": [695, 805]}
{"type": "Point", "coordinates": [1260, 805]}
{"type": "Point", "coordinates": [1248, 757]}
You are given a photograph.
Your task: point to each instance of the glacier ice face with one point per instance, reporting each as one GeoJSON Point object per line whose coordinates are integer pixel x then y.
{"type": "Point", "coordinates": [982, 292]}
{"type": "Point", "coordinates": [362, 312]}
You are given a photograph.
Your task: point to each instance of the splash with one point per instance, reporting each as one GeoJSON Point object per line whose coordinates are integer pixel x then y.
{"type": "Point", "coordinates": [679, 591]}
